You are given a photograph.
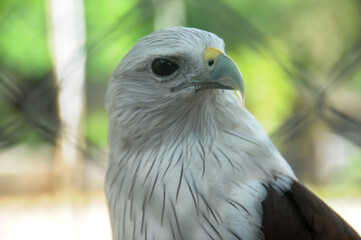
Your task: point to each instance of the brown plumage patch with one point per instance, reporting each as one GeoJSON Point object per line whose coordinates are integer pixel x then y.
{"type": "Point", "coordinates": [299, 214]}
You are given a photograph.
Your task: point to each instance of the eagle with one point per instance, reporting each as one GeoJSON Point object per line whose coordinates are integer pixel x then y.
{"type": "Point", "coordinates": [187, 160]}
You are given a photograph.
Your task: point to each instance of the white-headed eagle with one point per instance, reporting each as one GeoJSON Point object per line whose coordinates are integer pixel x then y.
{"type": "Point", "coordinates": [188, 161]}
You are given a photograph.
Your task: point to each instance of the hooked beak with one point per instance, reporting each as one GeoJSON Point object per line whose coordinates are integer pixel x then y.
{"type": "Point", "coordinates": [223, 73]}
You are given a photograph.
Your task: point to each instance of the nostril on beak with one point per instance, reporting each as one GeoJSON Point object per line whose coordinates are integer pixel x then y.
{"type": "Point", "coordinates": [210, 62]}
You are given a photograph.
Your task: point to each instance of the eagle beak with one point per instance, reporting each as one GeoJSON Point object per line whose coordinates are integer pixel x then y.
{"type": "Point", "coordinates": [223, 73]}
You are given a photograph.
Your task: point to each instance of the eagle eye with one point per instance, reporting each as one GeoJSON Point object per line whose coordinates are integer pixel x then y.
{"type": "Point", "coordinates": [163, 67]}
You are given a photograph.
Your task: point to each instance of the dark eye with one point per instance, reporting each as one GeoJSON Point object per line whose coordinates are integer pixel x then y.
{"type": "Point", "coordinates": [163, 67]}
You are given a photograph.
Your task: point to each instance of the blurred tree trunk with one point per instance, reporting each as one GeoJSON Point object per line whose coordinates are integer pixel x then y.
{"type": "Point", "coordinates": [67, 38]}
{"type": "Point", "coordinates": [169, 13]}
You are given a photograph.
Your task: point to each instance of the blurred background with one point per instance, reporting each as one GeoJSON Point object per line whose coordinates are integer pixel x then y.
{"type": "Point", "coordinates": [301, 61]}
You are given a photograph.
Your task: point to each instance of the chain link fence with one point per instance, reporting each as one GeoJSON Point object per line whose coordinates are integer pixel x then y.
{"type": "Point", "coordinates": [326, 94]}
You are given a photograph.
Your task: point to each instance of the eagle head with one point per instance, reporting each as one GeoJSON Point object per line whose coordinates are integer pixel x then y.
{"type": "Point", "coordinates": [168, 73]}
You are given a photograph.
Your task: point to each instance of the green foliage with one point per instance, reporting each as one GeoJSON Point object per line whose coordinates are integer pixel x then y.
{"type": "Point", "coordinates": [112, 28]}
{"type": "Point", "coordinates": [23, 41]}
{"type": "Point", "coordinates": [265, 82]}
{"type": "Point", "coordinates": [96, 128]}
{"type": "Point", "coordinates": [287, 50]}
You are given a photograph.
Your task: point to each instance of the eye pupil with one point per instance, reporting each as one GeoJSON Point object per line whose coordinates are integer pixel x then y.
{"type": "Point", "coordinates": [210, 63]}
{"type": "Point", "coordinates": [163, 67]}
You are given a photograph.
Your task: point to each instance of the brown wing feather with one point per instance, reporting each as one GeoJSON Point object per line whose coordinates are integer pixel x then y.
{"type": "Point", "coordinates": [299, 214]}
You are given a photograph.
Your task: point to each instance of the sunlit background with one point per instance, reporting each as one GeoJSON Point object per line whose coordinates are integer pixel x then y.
{"type": "Point", "coordinates": [301, 61]}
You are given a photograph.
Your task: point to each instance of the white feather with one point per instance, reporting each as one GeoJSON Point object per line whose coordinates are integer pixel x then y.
{"type": "Point", "coordinates": [185, 165]}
